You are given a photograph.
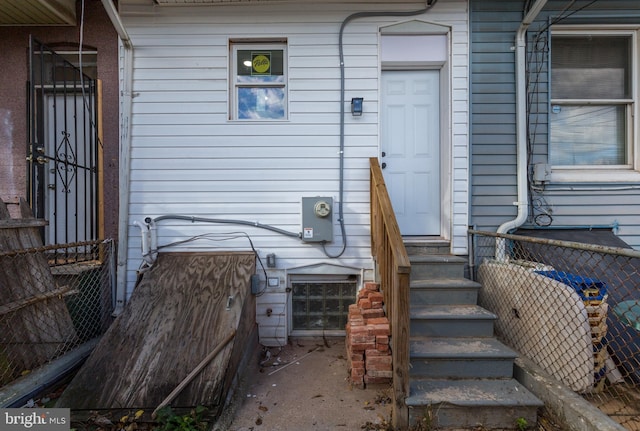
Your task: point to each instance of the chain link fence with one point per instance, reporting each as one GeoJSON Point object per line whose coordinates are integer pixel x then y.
{"type": "Point", "coordinates": [572, 308]}
{"type": "Point", "coordinates": [52, 300]}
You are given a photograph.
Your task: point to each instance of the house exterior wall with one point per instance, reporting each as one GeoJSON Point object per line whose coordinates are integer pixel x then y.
{"type": "Point", "coordinates": [14, 69]}
{"type": "Point", "coordinates": [599, 200]}
{"type": "Point", "coordinates": [188, 158]}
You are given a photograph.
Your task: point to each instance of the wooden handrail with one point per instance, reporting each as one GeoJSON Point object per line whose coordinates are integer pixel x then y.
{"type": "Point", "coordinates": [393, 270]}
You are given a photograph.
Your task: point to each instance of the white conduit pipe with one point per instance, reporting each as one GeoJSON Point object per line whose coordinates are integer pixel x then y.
{"type": "Point", "coordinates": [147, 240]}
{"type": "Point", "coordinates": [521, 129]}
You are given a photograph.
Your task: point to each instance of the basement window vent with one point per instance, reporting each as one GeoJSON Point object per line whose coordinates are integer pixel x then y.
{"type": "Point", "coordinates": [322, 305]}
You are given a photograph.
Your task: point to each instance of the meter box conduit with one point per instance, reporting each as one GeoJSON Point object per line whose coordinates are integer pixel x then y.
{"type": "Point", "coordinates": [317, 219]}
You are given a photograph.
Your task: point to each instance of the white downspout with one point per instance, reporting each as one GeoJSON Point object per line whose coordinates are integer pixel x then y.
{"type": "Point", "coordinates": [125, 146]}
{"type": "Point", "coordinates": [521, 127]}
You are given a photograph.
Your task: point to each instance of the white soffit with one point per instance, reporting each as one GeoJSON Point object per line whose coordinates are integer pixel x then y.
{"type": "Point", "coordinates": [37, 12]}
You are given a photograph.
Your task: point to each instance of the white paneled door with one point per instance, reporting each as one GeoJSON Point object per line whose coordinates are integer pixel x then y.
{"type": "Point", "coordinates": [410, 148]}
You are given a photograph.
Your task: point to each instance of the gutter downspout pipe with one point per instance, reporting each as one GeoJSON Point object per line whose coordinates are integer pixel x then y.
{"type": "Point", "coordinates": [126, 103]}
{"type": "Point", "coordinates": [521, 127]}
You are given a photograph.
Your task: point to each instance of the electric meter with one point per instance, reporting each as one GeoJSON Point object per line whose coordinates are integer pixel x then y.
{"type": "Point", "coordinates": [317, 220]}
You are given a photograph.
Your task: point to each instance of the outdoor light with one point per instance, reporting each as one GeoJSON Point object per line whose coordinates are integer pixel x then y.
{"type": "Point", "coordinates": [356, 106]}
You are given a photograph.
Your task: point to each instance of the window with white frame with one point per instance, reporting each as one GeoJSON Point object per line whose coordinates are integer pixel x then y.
{"type": "Point", "coordinates": [259, 81]}
{"type": "Point", "coordinates": [592, 100]}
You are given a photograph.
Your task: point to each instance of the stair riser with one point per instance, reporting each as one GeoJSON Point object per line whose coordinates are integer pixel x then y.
{"type": "Point", "coordinates": [461, 369]}
{"type": "Point", "coordinates": [425, 296]}
{"type": "Point", "coordinates": [451, 328]}
{"type": "Point", "coordinates": [467, 417]}
{"type": "Point", "coordinates": [430, 271]}
{"type": "Point", "coordinates": [417, 250]}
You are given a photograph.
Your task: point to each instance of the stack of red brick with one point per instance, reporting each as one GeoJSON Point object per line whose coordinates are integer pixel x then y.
{"type": "Point", "coordinates": [367, 339]}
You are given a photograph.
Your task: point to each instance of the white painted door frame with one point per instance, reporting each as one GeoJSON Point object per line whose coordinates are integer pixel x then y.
{"type": "Point", "coordinates": [402, 49]}
{"type": "Point", "coordinates": [410, 145]}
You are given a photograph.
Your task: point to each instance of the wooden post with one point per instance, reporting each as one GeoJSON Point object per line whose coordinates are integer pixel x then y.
{"type": "Point", "coordinates": [400, 351]}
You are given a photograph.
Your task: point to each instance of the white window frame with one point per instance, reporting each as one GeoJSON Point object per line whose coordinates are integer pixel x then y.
{"type": "Point", "coordinates": [604, 173]}
{"type": "Point", "coordinates": [256, 45]}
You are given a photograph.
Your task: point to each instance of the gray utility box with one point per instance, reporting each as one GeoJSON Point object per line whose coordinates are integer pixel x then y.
{"type": "Point", "coordinates": [317, 219]}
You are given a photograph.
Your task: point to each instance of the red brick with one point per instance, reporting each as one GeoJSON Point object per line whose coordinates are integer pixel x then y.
{"type": "Point", "coordinates": [384, 348]}
{"type": "Point", "coordinates": [378, 320]}
{"type": "Point", "coordinates": [380, 329]}
{"type": "Point", "coordinates": [357, 365]}
{"type": "Point", "coordinates": [382, 343]}
{"type": "Point", "coordinates": [372, 313]}
{"type": "Point", "coordinates": [359, 330]}
{"type": "Point", "coordinates": [356, 357]}
{"type": "Point", "coordinates": [388, 374]}
{"type": "Point", "coordinates": [372, 370]}
{"type": "Point", "coordinates": [374, 352]}
{"type": "Point", "coordinates": [368, 380]}
{"type": "Point", "coordinates": [377, 304]}
{"type": "Point", "coordinates": [363, 338]}
{"type": "Point", "coordinates": [361, 347]}
{"type": "Point", "coordinates": [379, 363]}
{"type": "Point", "coordinates": [357, 321]}
{"type": "Point", "coordinates": [357, 381]}
{"type": "Point", "coordinates": [376, 296]}
{"type": "Point", "coordinates": [357, 312]}
{"type": "Point", "coordinates": [364, 303]}
{"type": "Point", "coordinates": [372, 286]}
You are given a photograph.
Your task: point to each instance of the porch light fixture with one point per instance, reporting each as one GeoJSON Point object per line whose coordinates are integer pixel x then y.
{"type": "Point", "coordinates": [356, 106]}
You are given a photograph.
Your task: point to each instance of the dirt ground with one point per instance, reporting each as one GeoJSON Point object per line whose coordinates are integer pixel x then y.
{"type": "Point", "coordinates": [304, 386]}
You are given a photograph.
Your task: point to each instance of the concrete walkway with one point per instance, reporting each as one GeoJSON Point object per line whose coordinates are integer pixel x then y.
{"type": "Point", "coordinates": [304, 386]}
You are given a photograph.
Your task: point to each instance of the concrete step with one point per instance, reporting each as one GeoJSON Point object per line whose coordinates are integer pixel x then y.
{"type": "Point", "coordinates": [417, 246]}
{"type": "Point", "coordinates": [451, 321]}
{"type": "Point", "coordinates": [485, 404]}
{"type": "Point", "coordinates": [444, 291]}
{"type": "Point", "coordinates": [460, 358]}
{"type": "Point", "coordinates": [427, 267]}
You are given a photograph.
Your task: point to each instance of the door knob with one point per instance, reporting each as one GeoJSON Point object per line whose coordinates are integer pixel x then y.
{"type": "Point", "coordinates": [384, 165]}
{"type": "Point", "coordinates": [384, 154]}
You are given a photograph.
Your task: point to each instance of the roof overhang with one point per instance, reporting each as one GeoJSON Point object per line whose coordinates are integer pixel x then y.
{"type": "Point", "coordinates": [37, 12]}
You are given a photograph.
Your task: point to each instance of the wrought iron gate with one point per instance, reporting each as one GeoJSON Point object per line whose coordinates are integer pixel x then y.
{"type": "Point", "coordinates": [63, 147]}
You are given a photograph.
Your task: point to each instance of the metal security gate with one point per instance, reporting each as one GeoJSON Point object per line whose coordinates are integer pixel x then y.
{"type": "Point", "coordinates": [63, 147]}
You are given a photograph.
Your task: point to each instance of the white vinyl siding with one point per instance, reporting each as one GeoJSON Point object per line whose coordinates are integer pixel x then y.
{"type": "Point", "coordinates": [188, 158]}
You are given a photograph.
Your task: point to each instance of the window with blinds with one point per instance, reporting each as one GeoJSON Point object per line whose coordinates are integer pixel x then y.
{"type": "Point", "coordinates": [592, 99]}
